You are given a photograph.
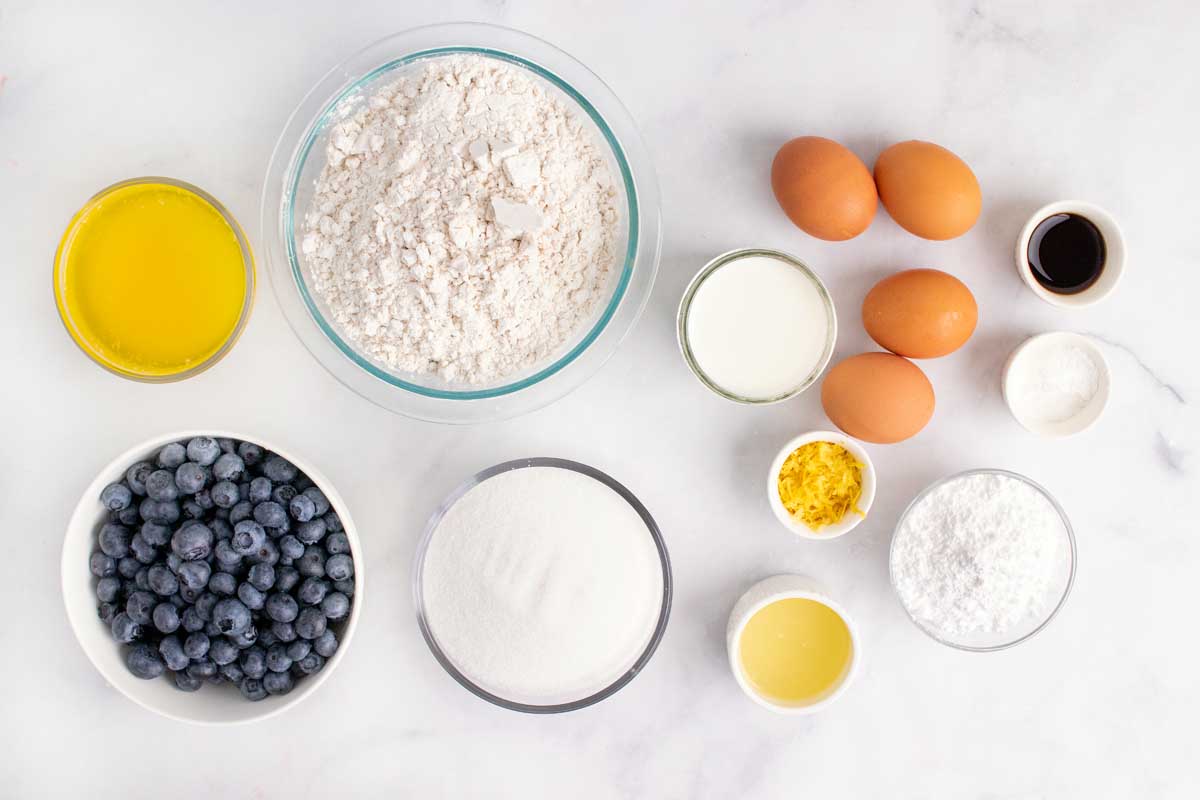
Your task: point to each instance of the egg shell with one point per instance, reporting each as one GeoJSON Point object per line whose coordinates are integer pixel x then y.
{"type": "Point", "coordinates": [920, 313]}
{"type": "Point", "coordinates": [928, 190]}
{"type": "Point", "coordinates": [825, 189]}
{"type": "Point", "coordinates": [878, 397]}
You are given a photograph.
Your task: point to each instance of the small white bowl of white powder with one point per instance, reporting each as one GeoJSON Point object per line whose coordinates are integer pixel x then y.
{"type": "Point", "coordinates": [983, 560]}
{"type": "Point", "coordinates": [1057, 383]}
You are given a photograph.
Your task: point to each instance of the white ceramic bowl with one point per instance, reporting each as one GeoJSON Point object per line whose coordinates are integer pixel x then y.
{"type": "Point", "coordinates": [1015, 398]}
{"type": "Point", "coordinates": [1114, 261]}
{"type": "Point", "coordinates": [761, 595]}
{"type": "Point", "coordinates": [848, 522]}
{"type": "Point", "coordinates": [211, 705]}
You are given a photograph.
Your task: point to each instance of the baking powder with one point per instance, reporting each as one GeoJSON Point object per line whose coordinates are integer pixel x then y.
{"type": "Point", "coordinates": [1053, 382]}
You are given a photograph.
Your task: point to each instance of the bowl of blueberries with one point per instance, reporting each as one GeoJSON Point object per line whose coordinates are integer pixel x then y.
{"type": "Point", "coordinates": [212, 578]}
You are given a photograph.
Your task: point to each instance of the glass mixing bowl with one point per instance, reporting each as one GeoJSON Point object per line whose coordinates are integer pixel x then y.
{"type": "Point", "coordinates": [299, 157]}
{"type": "Point", "coordinates": [1059, 586]}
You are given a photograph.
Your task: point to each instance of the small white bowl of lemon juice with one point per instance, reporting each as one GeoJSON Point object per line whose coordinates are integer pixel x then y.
{"type": "Point", "coordinates": [792, 648]}
{"type": "Point", "coordinates": [756, 326]}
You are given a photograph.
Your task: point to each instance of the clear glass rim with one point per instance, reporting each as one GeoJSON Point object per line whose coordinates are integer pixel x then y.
{"type": "Point", "coordinates": [522, 463]}
{"type": "Point", "coordinates": [289, 213]}
{"type": "Point", "coordinates": [59, 277]}
{"type": "Point", "coordinates": [1072, 558]}
{"type": "Point", "coordinates": [685, 307]}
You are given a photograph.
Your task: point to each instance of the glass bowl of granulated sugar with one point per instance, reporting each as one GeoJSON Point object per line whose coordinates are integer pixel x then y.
{"type": "Point", "coordinates": [462, 223]}
{"type": "Point", "coordinates": [983, 560]}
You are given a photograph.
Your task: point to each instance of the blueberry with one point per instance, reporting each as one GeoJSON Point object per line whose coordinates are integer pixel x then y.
{"type": "Point", "coordinates": [311, 532]}
{"type": "Point", "coordinates": [107, 589]}
{"type": "Point", "coordinates": [171, 650]}
{"type": "Point", "coordinates": [204, 605]}
{"type": "Point", "coordinates": [140, 607]}
{"type": "Point", "coordinates": [253, 662]}
{"type": "Point", "coordinates": [268, 637]}
{"type": "Point", "coordinates": [190, 619]}
{"type": "Point", "coordinates": [222, 583]}
{"type": "Point", "coordinates": [312, 591]}
{"type": "Point", "coordinates": [162, 511]}
{"type": "Point", "coordinates": [248, 536]}
{"type": "Point", "coordinates": [219, 513]}
{"type": "Point", "coordinates": [177, 599]}
{"type": "Point", "coordinates": [190, 477]}
{"type": "Point", "coordinates": [312, 563]}
{"type": "Point", "coordinates": [191, 509]}
{"type": "Point", "coordinates": [221, 528]}
{"type": "Point", "coordinates": [310, 623]}
{"type": "Point", "coordinates": [194, 574]}
{"type": "Point", "coordinates": [205, 668]}
{"type": "Point", "coordinates": [162, 581]}
{"type": "Point", "coordinates": [124, 629]}
{"type": "Point", "coordinates": [128, 567]}
{"type": "Point", "coordinates": [279, 469]}
{"type": "Point", "coordinates": [227, 557]}
{"type": "Point", "coordinates": [204, 499]}
{"type": "Point", "coordinates": [243, 488]}
{"type": "Point", "coordinates": [283, 494]}
{"type": "Point", "coordinates": [326, 644]}
{"type": "Point", "coordinates": [222, 651]}
{"type": "Point", "coordinates": [186, 683]}
{"type": "Point", "coordinates": [192, 543]}
{"type": "Point", "coordinates": [311, 664]}
{"type": "Point", "coordinates": [141, 580]}
{"type": "Point", "coordinates": [155, 533]}
{"type": "Point", "coordinates": [320, 501]}
{"type": "Point", "coordinates": [335, 606]}
{"type": "Point", "coordinates": [171, 455]}
{"type": "Point", "coordinates": [233, 671]}
{"type": "Point", "coordinates": [102, 565]}
{"type": "Point", "coordinates": [284, 631]}
{"type": "Point", "coordinates": [339, 567]}
{"type": "Point", "coordinates": [252, 689]}
{"type": "Point", "coordinates": [268, 553]}
{"type": "Point", "coordinates": [286, 578]}
{"type": "Point", "coordinates": [278, 659]}
{"type": "Point", "coordinates": [116, 496]}
{"type": "Point", "coordinates": [302, 508]}
{"type": "Point", "coordinates": [129, 517]}
{"type": "Point", "coordinates": [250, 452]}
{"type": "Point", "coordinates": [245, 637]}
{"type": "Point", "coordinates": [196, 645]}
{"type": "Point", "coordinates": [332, 521]}
{"type": "Point", "coordinates": [114, 540]}
{"type": "Point", "coordinates": [160, 485]}
{"type": "Point", "coordinates": [260, 490]}
{"type": "Point", "coordinates": [291, 547]}
{"type": "Point", "coordinates": [227, 445]}
{"type": "Point", "coordinates": [298, 649]}
{"type": "Point", "coordinates": [228, 467]}
{"type": "Point", "coordinates": [251, 596]}
{"type": "Point", "coordinates": [203, 450]}
{"type": "Point", "coordinates": [135, 476]}
{"type": "Point", "coordinates": [231, 615]}
{"type": "Point", "coordinates": [166, 618]}
{"type": "Point", "coordinates": [270, 515]}
{"type": "Point", "coordinates": [107, 612]}
{"type": "Point", "coordinates": [240, 511]}
{"type": "Point", "coordinates": [337, 543]}
{"type": "Point", "coordinates": [281, 607]}
{"type": "Point", "coordinates": [284, 561]}
{"type": "Point", "coordinates": [143, 551]}
{"type": "Point", "coordinates": [224, 494]}
{"type": "Point", "coordinates": [145, 662]}
{"type": "Point", "coordinates": [278, 682]}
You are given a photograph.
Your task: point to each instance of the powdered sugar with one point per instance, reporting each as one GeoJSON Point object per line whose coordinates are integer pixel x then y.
{"type": "Point", "coordinates": [977, 555]}
{"type": "Point", "coordinates": [465, 224]}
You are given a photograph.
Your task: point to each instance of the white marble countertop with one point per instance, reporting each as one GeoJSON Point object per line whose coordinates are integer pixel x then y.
{"type": "Point", "coordinates": [1096, 101]}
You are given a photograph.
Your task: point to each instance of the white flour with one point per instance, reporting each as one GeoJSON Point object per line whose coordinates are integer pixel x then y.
{"type": "Point", "coordinates": [542, 585]}
{"type": "Point", "coordinates": [976, 555]}
{"type": "Point", "coordinates": [465, 222]}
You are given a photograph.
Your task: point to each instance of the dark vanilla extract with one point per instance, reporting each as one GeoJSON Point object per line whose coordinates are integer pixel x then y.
{"type": "Point", "coordinates": [1066, 253]}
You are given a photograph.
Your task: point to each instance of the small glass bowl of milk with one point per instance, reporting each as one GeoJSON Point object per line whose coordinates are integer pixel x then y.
{"type": "Point", "coordinates": [757, 326]}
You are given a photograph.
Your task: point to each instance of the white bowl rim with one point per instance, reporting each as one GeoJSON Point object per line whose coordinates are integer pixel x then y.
{"type": "Point", "coordinates": [1114, 241]}
{"type": "Point", "coordinates": [844, 526]}
{"type": "Point", "coordinates": [1080, 422]}
{"type": "Point", "coordinates": [90, 499]}
{"type": "Point", "coordinates": [806, 589]}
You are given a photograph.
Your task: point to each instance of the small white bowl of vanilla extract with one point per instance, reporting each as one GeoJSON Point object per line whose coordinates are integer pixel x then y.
{"type": "Point", "coordinates": [1071, 253]}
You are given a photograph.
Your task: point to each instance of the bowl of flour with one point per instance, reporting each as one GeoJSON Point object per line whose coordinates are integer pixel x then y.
{"type": "Point", "coordinates": [983, 560]}
{"type": "Point", "coordinates": [462, 222]}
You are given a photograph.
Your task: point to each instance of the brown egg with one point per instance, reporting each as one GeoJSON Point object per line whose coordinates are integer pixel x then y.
{"type": "Point", "coordinates": [823, 188]}
{"type": "Point", "coordinates": [928, 190]}
{"type": "Point", "coordinates": [878, 397]}
{"type": "Point", "coordinates": [920, 313]}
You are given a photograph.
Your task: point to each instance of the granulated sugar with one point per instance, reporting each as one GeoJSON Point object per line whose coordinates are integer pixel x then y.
{"type": "Point", "coordinates": [465, 224]}
{"type": "Point", "coordinates": [977, 555]}
{"type": "Point", "coordinates": [542, 585]}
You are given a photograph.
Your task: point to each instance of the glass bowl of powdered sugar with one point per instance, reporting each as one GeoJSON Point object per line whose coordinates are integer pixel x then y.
{"type": "Point", "coordinates": [983, 560]}
{"type": "Point", "coordinates": [461, 222]}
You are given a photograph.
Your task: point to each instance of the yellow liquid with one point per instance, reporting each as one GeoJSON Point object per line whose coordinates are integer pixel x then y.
{"type": "Point", "coordinates": [794, 651]}
{"type": "Point", "coordinates": [150, 280]}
